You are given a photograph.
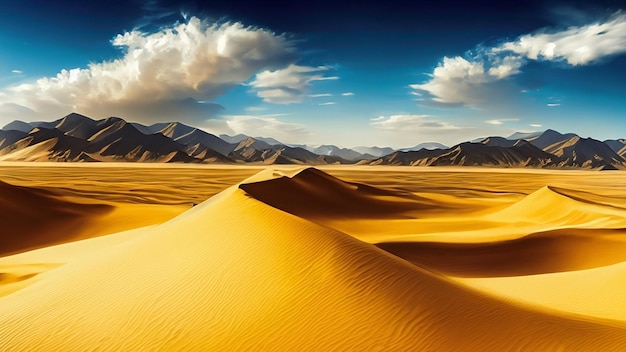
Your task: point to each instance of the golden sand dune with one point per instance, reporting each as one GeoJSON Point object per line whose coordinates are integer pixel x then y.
{"type": "Point", "coordinates": [315, 194]}
{"type": "Point", "coordinates": [550, 205]}
{"type": "Point", "coordinates": [32, 218]}
{"type": "Point", "coordinates": [237, 274]}
{"type": "Point", "coordinates": [597, 292]}
{"type": "Point", "coordinates": [545, 252]}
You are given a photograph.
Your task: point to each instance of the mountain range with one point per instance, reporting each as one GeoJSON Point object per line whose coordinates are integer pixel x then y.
{"type": "Point", "coordinates": [79, 138]}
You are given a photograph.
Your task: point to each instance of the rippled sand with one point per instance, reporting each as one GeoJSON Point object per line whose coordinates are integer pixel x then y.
{"type": "Point", "coordinates": [404, 259]}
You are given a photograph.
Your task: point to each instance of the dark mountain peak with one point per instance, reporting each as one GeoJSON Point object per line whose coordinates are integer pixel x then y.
{"type": "Point", "coordinates": [550, 131]}
{"type": "Point", "coordinates": [498, 141]}
{"type": "Point", "coordinates": [175, 130]}
{"type": "Point", "coordinates": [233, 139]}
{"type": "Point", "coordinates": [616, 144]}
{"type": "Point", "coordinates": [18, 125]}
{"type": "Point", "coordinates": [74, 118]}
{"type": "Point", "coordinates": [112, 120]}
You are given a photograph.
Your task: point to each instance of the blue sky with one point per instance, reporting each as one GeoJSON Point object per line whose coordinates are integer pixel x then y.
{"type": "Point", "coordinates": [387, 74]}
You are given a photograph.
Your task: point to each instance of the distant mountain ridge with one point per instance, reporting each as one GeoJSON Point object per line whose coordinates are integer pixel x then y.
{"type": "Point", "coordinates": [78, 138]}
{"type": "Point", "coordinates": [549, 149]}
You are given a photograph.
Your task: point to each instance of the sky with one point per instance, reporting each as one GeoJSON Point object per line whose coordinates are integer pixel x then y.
{"type": "Point", "coordinates": [324, 72]}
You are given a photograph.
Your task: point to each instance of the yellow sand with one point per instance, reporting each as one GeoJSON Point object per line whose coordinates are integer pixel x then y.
{"type": "Point", "coordinates": [251, 269]}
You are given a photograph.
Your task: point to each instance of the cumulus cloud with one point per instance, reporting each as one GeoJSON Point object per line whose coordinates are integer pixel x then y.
{"type": "Point", "coordinates": [268, 125]}
{"type": "Point", "coordinates": [159, 74]}
{"type": "Point", "coordinates": [347, 94]}
{"type": "Point", "coordinates": [410, 123]}
{"type": "Point", "coordinates": [327, 103]}
{"type": "Point", "coordinates": [576, 45]}
{"type": "Point", "coordinates": [553, 104]}
{"type": "Point", "coordinates": [17, 72]}
{"type": "Point", "coordinates": [288, 85]}
{"type": "Point", "coordinates": [481, 78]}
{"type": "Point", "coordinates": [499, 121]}
{"type": "Point", "coordinates": [320, 95]}
{"type": "Point", "coordinates": [458, 81]}
{"type": "Point", "coordinates": [536, 125]}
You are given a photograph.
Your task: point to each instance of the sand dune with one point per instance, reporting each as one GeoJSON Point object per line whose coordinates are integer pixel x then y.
{"type": "Point", "coordinates": [31, 218]}
{"type": "Point", "coordinates": [540, 253]}
{"type": "Point", "coordinates": [35, 217]}
{"type": "Point", "coordinates": [313, 193]}
{"type": "Point", "coordinates": [549, 206]}
{"type": "Point", "coordinates": [597, 292]}
{"type": "Point", "coordinates": [234, 273]}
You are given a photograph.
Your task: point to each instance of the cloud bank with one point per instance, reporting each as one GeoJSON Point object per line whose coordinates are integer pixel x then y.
{"type": "Point", "coordinates": [266, 126]}
{"type": "Point", "coordinates": [162, 75]}
{"type": "Point", "coordinates": [411, 123]}
{"type": "Point", "coordinates": [289, 85]}
{"type": "Point", "coordinates": [460, 81]}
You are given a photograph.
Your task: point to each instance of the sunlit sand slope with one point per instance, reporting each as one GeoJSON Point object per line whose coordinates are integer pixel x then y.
{"type": "Point", "coordinates": [31, 218]}
{"type": "Point", "coordinates": [550, 206]}
{"type": "Point", "coordinates": [235, 274]}
{"type": "Point", "coordinates": [597, 292]}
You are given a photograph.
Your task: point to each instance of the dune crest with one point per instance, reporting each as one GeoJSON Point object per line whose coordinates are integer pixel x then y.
{"type": "Point", "coordinates": [312, 193]}
{"type": "Point", "coordinates": [548, 206]}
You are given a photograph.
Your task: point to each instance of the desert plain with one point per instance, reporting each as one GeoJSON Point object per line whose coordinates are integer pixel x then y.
{"type": "Point", "coordinates": [155, 257]}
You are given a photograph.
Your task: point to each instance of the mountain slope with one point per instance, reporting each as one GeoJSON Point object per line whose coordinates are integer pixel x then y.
{"type": "Point", "coordinates": [374, 151]}
{"type": "Point", "coordinates": [549, 137]}
{"type": "Point", "coordinates": [472, 154]}
{"type": "Point", "coordinates": [77, 125]}
{"type": "Point", "coordinates": [8, 137]}
{"type": "Point", "coordinates": [207, 140]}
{"type": "Point", "coordinates": [45, 144]}
{"type": "Point", "coordinates": [586, 153]}
{"type": "Point", "coordinates": [119, 140]}
{"type": "Point", "coordinates": [18, 125]}
{"type": "Point", "coordinates": [344, 153]}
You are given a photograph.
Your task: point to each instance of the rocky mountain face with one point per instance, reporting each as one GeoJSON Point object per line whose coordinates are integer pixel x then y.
{"type": "Point", "coordinates": [79, 138]}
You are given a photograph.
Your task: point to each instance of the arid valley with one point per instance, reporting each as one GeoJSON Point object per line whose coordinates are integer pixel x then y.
{"type": "Point", "coordinates": [150, 257]}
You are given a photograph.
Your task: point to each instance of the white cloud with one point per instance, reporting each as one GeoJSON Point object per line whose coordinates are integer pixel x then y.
{"type": "Point", "coordinates": [553, 104]}
{"type": "Point", "coordinates": [499, 121]}
{"type": "Point", "coordinates": [320, 95]}
{"type": "Point", "coordinates": [347, 94]}
{"type": "Point", "coordinates": [462, 82]}
{"type": "Point", "coordinates": [160, 73]}
{"type": "Point", "coordinates": [288, 85]}
{"type": "Point", "coordinates": [328, 103]}
{"type": "Point", "coordinates": [404, 130]}
{"type": "Point", "coordinates": [17, 72]}
{"type": "Point", "coordinates": [536, 125]}
{"type": "Point", "coordinates": [481, 78]}
{"type": "Point", "coordinates": [411, 123]}
{"type": "Point", "coordinates": [266, 126]}
{"type": "Point", "coordinates": [575, 45]}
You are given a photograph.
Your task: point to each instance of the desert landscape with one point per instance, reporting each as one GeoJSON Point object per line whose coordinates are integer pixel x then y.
{"type": "Point", "coordinates": [130, 257]}
{"type": "Point", "coordinates": [187, 175]}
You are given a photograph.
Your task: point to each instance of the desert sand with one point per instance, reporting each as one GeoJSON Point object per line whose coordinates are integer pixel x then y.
{"type": "Point", "coordinates": [120, 257]}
